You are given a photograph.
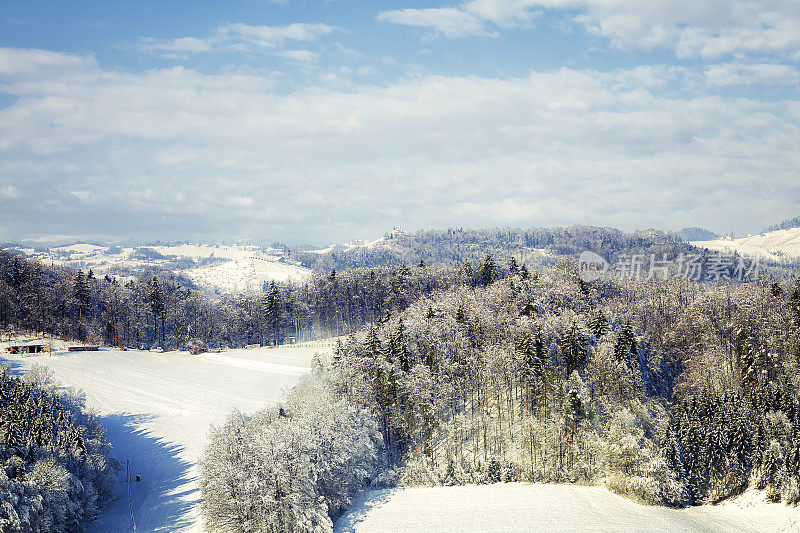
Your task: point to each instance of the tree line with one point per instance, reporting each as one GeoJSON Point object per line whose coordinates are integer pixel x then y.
{"type": "Point", "coordinates": [156, 310]}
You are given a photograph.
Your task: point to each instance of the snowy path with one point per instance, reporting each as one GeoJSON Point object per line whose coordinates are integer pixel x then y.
{"type": "Point", "coordinates": [157, 409]}
{"type": "Point", "coordinates": [523, 507]}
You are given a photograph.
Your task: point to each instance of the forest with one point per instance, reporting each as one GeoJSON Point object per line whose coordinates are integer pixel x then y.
{"type": "Point", "coordinates": [669, 392]}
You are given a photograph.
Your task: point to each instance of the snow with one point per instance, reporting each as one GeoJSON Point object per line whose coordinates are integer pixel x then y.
{"type": "Point", "coordinates": [245, 275]}
{"type": "Point", "coordinates": [775, 245]}
{"type": "Point", "coordinates": [536, 507]}
{"type": "Point", "coordinates": [157, 409]}
{"type": "Point", "coordinates": [351, 245]}
{"type": "Point", "coordinates": [80, 248]}
{"type": "Point", "coordinates": [197, 251]}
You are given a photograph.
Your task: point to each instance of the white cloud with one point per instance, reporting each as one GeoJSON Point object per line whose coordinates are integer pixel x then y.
{"type": "Point", "coordinates": [304, 56]}
{"type": "Point", "coordinates": [236, 36]}
{"type": "Point", "coordinates": [20, 61]}
{"type": "Point", "coordinates": [239, 201]}
{"type": "Point", "coordinates": [180, 47]}
{"type": "Point", "coordinates": [81, 195]}
{"type": "Point", "coordinates": [466, 19]}
{"type": "Point", "coordinates": [432, 151]}
{"type": "Point", "coordinates": [709, 29]}
{"type": "Point", "coordinates": [751, 74]}
{"type": "Point", "coordinates": [691, 28]}
{"type": "Point", "coordinates": [451, 22]}
{"type": "Point", "coordinates": [272, 36]}
{"type": "Point", "coordinates": [9, 192]}
{"type": "Point", "coordinates": [503, 12]}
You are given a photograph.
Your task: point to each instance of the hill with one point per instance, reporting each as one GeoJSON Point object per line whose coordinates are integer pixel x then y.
{"type": "Point", "coordinates": [535, 247]}
{"type": "Point", "coordinates": [697, 234]}
{"type": "Point", "coordinates": [778, 245]}
{"type": "Point", "coordinates": [216, 268]}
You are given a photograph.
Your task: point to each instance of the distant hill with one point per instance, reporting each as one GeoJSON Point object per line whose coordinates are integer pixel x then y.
{"type": "Point", "coordinates": [786, 224]}
{"type": "Point", "coordinates": [697, 234]}
{"type": "Point", "coordinates": [534, 246]}
{"type": "Point", "coordinates": [778, 245]}
{"type": "Point", "coordinates": [213, 267]}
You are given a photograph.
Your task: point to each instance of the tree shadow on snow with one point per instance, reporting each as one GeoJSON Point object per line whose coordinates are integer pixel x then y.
{"type": "Point", "coordinates": [161, 500]}
{"type": "Point", "coordinates": [360, 508]}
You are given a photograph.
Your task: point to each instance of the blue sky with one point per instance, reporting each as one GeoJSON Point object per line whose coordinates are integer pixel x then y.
{"type": "Point", "coordinates": [325, 121]}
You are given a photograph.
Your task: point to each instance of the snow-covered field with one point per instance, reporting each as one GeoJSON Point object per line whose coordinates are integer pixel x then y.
{"type": "Point", "coordinates": [568, 508]}
{"type": "Point", "coordinates": [158, 407]}
{"type": "Point", "coordinates": [775, 245]}
{"type": "Point", "coordinates": [243, 275]}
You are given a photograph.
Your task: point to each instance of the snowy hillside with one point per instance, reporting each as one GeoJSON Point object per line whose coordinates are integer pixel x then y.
{"type": "Point", "coordinates": [157, 409]}
{"type": "Point", "coordinates": [214, 267]}
{"type": "Point", "coordinates": [246, 274]}
{"type": "Point", "coordinates": [522, 507]}
{"type": "Point", "coordinates": [775, 245]}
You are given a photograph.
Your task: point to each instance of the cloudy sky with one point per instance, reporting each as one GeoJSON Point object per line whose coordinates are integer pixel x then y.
{"type": "Point", "coordinates": [319, 121]}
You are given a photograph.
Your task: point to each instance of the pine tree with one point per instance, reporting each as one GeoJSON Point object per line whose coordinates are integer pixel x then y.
{"type": "Point", "coordinates": [529, 309]}
{"type": "Point", "coordinates": [625, 349]}
{"type": "Point", "coordinates": [273, 311]}
{"type": "Point", "coordinates": [535, 370]}
{"type": "Point", "coordinates": [598, 324]}
{"type": "Point", "coordinates": [82, 294]}
{"type": "Point", "coordinates": [372, 344]}
{"type": "Point", "coordinates": [156, 299]}
{"type": "Point", "coordinates": [487, 270]}
{"type": "Point", "coordinates": [573, 346]}
{"type": "Point", "coordinates": [398, 350]}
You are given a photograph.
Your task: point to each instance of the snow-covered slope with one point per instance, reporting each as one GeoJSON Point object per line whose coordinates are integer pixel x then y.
{"type": "Point", "coordinates": [775, 245]}
{"type": "Point", "coordinates": [240, 267]}
{"type": "Point", "coordinates": [505, 507]}
{"type": "Point", "coordinates": [158, 407]}
{"type": "Point", "coordinates": [248, 274]}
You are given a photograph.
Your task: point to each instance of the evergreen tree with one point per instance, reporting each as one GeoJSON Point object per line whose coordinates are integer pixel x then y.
{"type": "Point", "coordinates": [372, 344]}
{"type": "Point", "coordinates": [397, 350]}
{"type": "Point", "coordinates": [625, 349]}
{"type": "Point", "coordinates": [156, 299]}
{"type": "Point", "coordinates": [598, 324]}
{"type": "Point", "coordinates": [82, 294]}
{"type": "Point", "coordinates": [573, 346]}
{"type": "Point", "coordinates": [487, 270]}
{"type": "Point", "coordinates": [273, 311]}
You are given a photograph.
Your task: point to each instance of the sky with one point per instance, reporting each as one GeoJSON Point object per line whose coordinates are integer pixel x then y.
{"type": "Point", "coordinates": [307, 121]}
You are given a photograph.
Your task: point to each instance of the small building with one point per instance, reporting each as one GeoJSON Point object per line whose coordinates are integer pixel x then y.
{"type": "Point", "coordinates": [27, 348]}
